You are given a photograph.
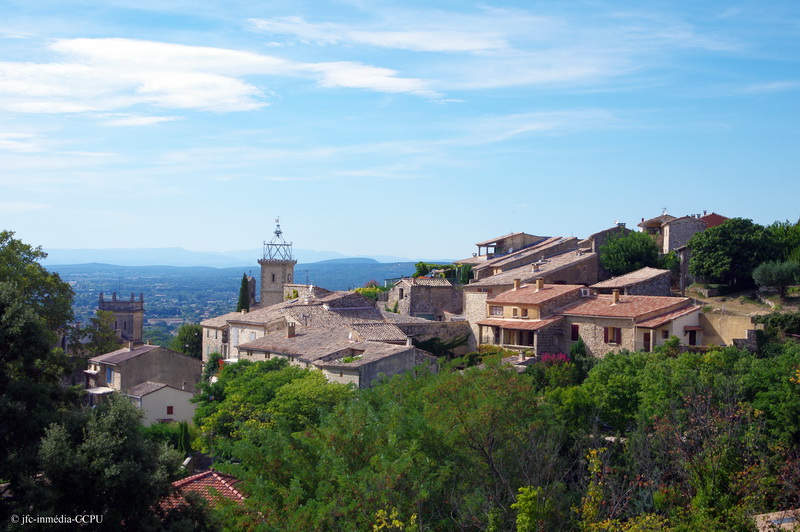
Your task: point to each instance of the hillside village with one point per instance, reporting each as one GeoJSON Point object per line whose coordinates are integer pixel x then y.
{"type": "Point", "coordinates": [526, 317]}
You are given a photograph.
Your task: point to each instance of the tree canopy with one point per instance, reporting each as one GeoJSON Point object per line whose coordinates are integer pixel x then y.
{"type": "Point", "coordinates": [625, 253]}
{"type": "Point", "coordinates": [189, 340]}
{"type": "Point", "coordinates": [729, 252]}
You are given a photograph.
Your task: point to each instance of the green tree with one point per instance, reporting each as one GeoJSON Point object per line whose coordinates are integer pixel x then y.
{"type": "Point", "coordinates": [777, 274]}
{"type": "Point", "coordinates": [787, 235]}
{"type": "Point", "coordinates": [31, 395]}
{"type": "Point", "coordinates": [47, 295]}
{"type": "Point", "coordinates": [189, 340]}
{"type": "Point", "coordinates": [122, 472]}
{"type": "Point", "coordinates": [422, 269]}
{"type": "Point", "coordinates": [244, 295]}
{"type": "Point", "coordinates": [625, 253]}
{"type": "Point", "coordinates": [728, 253]}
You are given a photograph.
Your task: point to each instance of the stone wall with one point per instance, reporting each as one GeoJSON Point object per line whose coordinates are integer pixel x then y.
{"type": "Point", "coordinates": [445, 330]}
{"type": "Point", "coordinates": [474, 311]}
{"type": "Point", "coordinates": [160, 365]}
{"type": "Point", "coordinates": [678, 232]}
{"type": "Point", "coordinates": [591, 331]}
{"type": "Point", "coordinates": [658, 286]}
{"type": "Point", "coordinates": [274, 275]}
{"type": "Point", "coordinates": [723, 329]}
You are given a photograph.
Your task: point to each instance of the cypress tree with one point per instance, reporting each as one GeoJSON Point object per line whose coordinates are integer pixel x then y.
{"type": "Point", "coordinates": [244, 295]}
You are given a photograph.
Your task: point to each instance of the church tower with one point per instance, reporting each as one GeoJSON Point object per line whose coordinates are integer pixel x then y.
{"type": "Point", "coordinates": [277, 268]}
{"type": "Point", "coordinates": [128, 316]}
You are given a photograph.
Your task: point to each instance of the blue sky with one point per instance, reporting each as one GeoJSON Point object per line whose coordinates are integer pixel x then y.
{"type": "Point", "coordinates": [399, 128]}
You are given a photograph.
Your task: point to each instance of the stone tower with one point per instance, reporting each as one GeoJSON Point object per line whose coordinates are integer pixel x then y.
{"type": "Point", "coordinates": [128, 316]}
{"type": "Point", "coordinates": [277, 268]}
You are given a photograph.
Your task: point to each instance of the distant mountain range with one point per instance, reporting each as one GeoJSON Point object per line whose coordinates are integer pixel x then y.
{"type": "Point", "coordinates": [183, 257]}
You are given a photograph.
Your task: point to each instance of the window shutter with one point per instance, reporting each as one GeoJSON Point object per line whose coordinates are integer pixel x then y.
{"type": "Point", "coordinates": [605, 334]}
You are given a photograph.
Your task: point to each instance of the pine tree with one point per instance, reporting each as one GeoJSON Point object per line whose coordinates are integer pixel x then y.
{"type": "Point", "coordinates": [244, 295]}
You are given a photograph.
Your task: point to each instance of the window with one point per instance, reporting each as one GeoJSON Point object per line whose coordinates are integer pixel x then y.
{"type": "Point", "coordinates": [215, 334]}
{"type": "Point", "coordinates": [109, 376]}
{"type": "Point", "coordinates": [665, 334]}
{"type": "Point", "coordinates": [524, 313]}
{"type": "Point", "coordinates": [402, 293]}
{"type": "Point", "coordinates": [612, 335]}
{"type": "Point", "coordinates": [273, 277]}
{"type": "Point", "coordinates": [575, 333]}
{"type": "Point", "coordinates": [208, 333]}
{"type": "Point", "coordinates": [289, 278]}
{"type": "Point", "coordinates": [252, 336]}
{"type": "Point", "coordinates": [170, 410]}
{"type": "Point", "coordinates": [514, 312]}
{"type": "Point", "coordinates": [495, 311]}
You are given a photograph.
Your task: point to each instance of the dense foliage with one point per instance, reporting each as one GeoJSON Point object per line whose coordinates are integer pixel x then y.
{"type": "Point", "coordinates": [635, 441]}
{"type": "Point", "coordinates": [625, 253]}
{"type": "Point", "coordinates": [728, 253]}
{"type": "Point", "coordinates": [189, 340]}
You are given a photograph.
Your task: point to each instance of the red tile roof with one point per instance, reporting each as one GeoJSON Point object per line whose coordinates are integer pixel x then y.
{"type": "Point", "coordinates": [713, 219]}
{"type": "Point", "coordinates": [663, 319]}
{"type": "Point", "coordinates": [524, 325]}
{"type": "Point", "coordinates": [528, 295]}
{"type": "Point", "coordinates": [636, 307]}
{"type": "Point", "coordinates": [223, 486]}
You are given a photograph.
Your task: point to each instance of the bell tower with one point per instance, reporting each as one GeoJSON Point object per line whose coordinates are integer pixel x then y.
{"type": "Point", "coordinates": [277, 267]}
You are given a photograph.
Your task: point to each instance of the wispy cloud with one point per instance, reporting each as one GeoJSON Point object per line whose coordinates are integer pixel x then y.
{"type": "Point", "coordinates": [110, 74]}
{"type": "Point", "coordinates": [16, 207]}
{"type": "Point", "coordinates": [775, 86]}
{"type": "Point", "coordinates": [140, 120]}
{"type": "Point", "coordinates": [19, 142]}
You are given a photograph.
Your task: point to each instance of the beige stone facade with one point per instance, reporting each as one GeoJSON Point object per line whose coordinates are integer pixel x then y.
{"type": "Point", "coordinates": [426, 297]}
{"type": "Point", "coordinates": [128, 316]}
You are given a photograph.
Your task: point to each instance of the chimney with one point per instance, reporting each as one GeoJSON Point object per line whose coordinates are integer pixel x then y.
{"type": "Point", "coordinates": [539, 283]}
{"type": "Point", "coordinates": [183, 386]}
{"type": "Point", "coordinates": [243, 311]}
{"type": "Point", "coordinates": [409, 342]}
{"type": "Point", "coordinates": [615, 297]}
{"type": "Point", "coordinates": [521, 356]}
{"type": "Point", "coordinates": [704, 212]}
{"type": "Point", "coordinates": [516, 284]}
{"type": "Point", "coordinates": [290, 329]}
{"type": "Point", "coordinates": [130, 346]}
{"type": "Point", "coordinates": [536, 266]}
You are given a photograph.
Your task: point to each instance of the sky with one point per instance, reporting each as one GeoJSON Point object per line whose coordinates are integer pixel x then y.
{"type": "Point", "coordinates": [406, 128]}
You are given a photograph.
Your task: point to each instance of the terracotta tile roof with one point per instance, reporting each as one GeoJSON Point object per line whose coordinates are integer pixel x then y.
{"type": "Point", "coordinates": [220, 321]}
{"type": "Point", "coordinates": [639, 276]}
{"type": "Point", "coordinates": [663, 319]}
{"type": "Point", "coordinates": [223, 486]}
{"type": "Point", "coordinates": [713, 219]}
{"type": "Point", "coordinates": [121, 355]}
{"type": "Point", "coordinates": [636, 307]}
{"type": "Point", "coordinates": [528, 295]}
{"type": "Point", "coordinates": [520, 325]}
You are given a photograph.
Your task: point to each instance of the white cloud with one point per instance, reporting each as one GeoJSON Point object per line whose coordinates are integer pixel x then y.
{"type": "Point", "coordinates": [19, 142]}
{"type": "Point", "coordinates": [99, 75]}
{"type": "Point", "coordinates": [358, 76]}
{"type": "Point", "coordinates": [140, 120]}
{"type": "Point", "coordinates": [444, 39]}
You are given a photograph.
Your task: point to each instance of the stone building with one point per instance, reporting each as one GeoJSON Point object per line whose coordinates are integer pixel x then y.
{"type": "Point", "coordinates": [525, 317]}
{"type": "Point", "coordinates": [645, 281]}
{"type": "Point", "coordinates": [612, 323]}
{"type": "Point", "coordinates": [573, 267]}
{"type": "Point", "coordinates": [432, 298]}
{"type": "Point", "coordinates": [671, 233]}
{"type": "Point", "coordinates": [128, 316]}
{"type": "Point", "coordinates": [336, 352]}
{"type": "Point", "coordinates": [160, 381]}
{"type": "Point", "coordinates": [544, 318]}
{"type": "Point", "coordinates": [277, 268]}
